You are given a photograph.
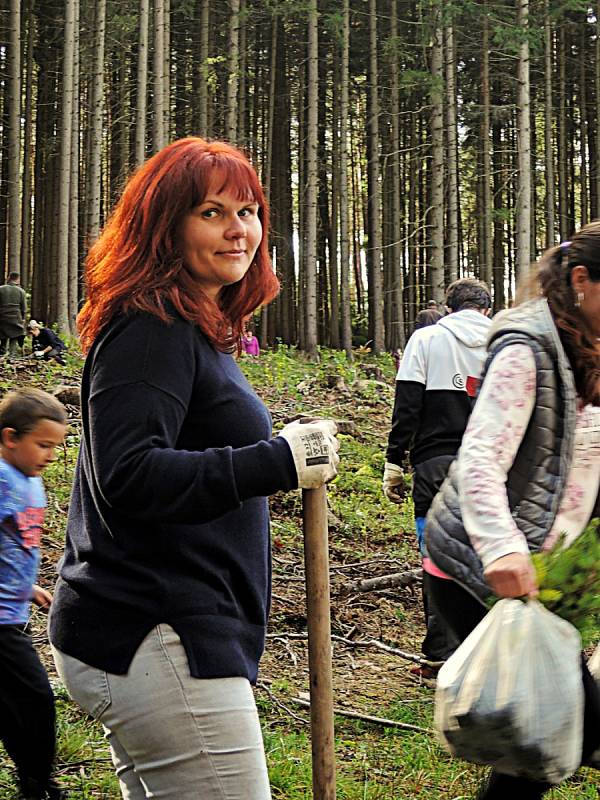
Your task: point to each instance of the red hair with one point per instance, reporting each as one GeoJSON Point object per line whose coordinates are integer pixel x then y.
{"type": "Point", "coordinates": [136, 264]}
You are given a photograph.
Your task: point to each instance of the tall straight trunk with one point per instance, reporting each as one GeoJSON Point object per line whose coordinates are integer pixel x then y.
{"type": "Point", "coordinates": [312, 180]}
{"type": "Point", "coordinates": [95, 154]}
{"type": "Point", "coordinates": [346, 326]}
{"type": "Point", "coordinates": [27, 152]}
{"type": "Point", "coordinates": [396, 336]}
{"type": "Point", "coordinates": [13, 258]}
{"type": "Point", "coordinates": [597, 99]}
{"type": "Point", "coordinates": [142, 83]}
{"type": "Point", "coordinates": [268, 144]}
{"type": "Point", "coordinates": [436, 215]}
{"type": "Point", "coordinates": [64, 171]}
{"type": "Point", "coordinates": [282, 200]}
{"type": "Point", "coordinates": [563, 214]}
{"type": "Point", "coordinates": [233, 49]}
{"type": "Point", "coordinates": [523, 217]}
{"type": "Point", "coordinates": [167, 71]}
{"type": "Point", "coordinates": [452, 159]}
{"type": "Point", "coordinates": [583, 171]}
{"type": "Point", "coordinates": [376, 324]}
{"type": "Point", "coordinates": [498, 244]}
{"type": "Point", "coordinates": [158, 128]}
{"type": "Point", "coordinates": [203, 94]}
{"type": "Point", "coordinates": [486, 193]}
{"type": "Point", "coordinates": [548, 120]}
{"type": "Point", "coordinates": [242, 128]}
{"type": "Point", "coordinates": [334, 278]}
{"type": "Point", "coordinates": [73, 270]}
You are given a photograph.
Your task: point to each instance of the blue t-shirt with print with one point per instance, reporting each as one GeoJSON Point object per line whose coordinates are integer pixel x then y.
{"type": "Point", "coordinates": [22, 505]}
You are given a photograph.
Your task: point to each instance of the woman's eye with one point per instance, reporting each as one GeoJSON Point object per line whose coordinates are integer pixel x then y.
{"type": "Point", "coordinates": [209, 213]}
{"type": "Point", "coordinates": [247, 212]}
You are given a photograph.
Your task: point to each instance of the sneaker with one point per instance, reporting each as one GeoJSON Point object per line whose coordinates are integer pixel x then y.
{"type": "Point", "coordinates": [32, 789]}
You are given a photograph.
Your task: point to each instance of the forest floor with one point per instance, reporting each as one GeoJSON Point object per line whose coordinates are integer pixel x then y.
{"type": "Point", "coordinates": [368, 537]}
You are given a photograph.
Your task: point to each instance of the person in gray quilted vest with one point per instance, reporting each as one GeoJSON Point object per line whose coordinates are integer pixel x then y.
{"type": "Point", "coordinates": [528, 468]}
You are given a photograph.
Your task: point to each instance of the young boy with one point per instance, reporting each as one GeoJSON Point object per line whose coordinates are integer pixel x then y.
{"type": "Point", "coordinates": [32, 425]}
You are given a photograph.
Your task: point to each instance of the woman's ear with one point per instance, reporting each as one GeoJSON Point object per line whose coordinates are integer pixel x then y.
{"type": "Point", "coordinates": [580, 277]}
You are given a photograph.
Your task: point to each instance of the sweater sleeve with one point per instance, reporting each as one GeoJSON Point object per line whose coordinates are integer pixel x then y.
{"type": "Point", "coordinates": [491, 441]}
{"type": "Point", "coordinates": [408, 402]}
{"type": "Point", "coordinates": [139, 397]}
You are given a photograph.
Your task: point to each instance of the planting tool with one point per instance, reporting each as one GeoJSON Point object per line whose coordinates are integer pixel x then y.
{"type": "Point", "coordinates": [316, 561]}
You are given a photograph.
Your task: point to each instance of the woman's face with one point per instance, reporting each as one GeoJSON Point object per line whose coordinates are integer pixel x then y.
{"type": "Point", "coordinates": [590, 302]}
{"type": "Point", "coordinates": [219, 240]}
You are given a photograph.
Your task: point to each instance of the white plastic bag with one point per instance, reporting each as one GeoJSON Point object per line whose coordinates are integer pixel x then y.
{"type": "Point", "coordinates": [512, 697]}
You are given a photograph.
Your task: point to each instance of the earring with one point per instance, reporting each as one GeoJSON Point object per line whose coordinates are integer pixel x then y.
{"type": "Point", "coordinates": [580, 299]}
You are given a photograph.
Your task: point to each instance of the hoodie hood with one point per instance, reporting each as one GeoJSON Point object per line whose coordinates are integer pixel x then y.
{"type": "Point", "coordinates": [470, 327]}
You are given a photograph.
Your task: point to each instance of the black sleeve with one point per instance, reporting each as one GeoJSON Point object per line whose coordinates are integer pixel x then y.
{"type": "Point", "coordinates": [138, 401]}
{"type": "Point", "coordinates": [405, 420]}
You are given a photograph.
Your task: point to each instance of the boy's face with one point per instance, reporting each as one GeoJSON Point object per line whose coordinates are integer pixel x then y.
{"type": "Point", "coordinates": [31, 452]}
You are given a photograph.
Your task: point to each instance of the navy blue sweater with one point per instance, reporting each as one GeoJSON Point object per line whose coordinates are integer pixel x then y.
{"type": "Point", "coordinates": [168, 521]}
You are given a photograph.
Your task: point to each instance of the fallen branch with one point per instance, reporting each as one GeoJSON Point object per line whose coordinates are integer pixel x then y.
{"type": "Point", "coordinates": [396, 579]}
{"type": "Point", "coordinates": [395, 651]}
{"type": "Point", "coordinates": [388, 723]}
{"type": "Point", "coordinates": [261, 685]}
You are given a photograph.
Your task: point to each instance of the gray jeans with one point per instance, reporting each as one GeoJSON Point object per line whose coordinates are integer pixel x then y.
{"type": "Point", "coordinates": [172, 735]}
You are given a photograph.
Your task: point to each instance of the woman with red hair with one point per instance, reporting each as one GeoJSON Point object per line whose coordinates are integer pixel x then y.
{"type": "Point", "coordinates": [160, 610]}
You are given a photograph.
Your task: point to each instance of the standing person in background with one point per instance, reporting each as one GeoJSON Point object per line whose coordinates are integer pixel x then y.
{"type": "Point", "coordinates": [160, 611]}
{"type": "Point", "coordinates": [529, 465]}
{"type": "Point", "coordinates": [250, 344]}
{"type": "Point", "coordinates": [428, 316]}
{"type": "Point", "coordinates": [32, 425]}
{"type": "Point", "coordinates": [12, 316]}
{"type": "Point", "coordinates": [46, 344]}
{"type": "Point", "coordinates": [435, 391]}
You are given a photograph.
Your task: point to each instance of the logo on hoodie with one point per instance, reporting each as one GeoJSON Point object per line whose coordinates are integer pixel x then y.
{"type": "Point", "coordinates": [457, 381]}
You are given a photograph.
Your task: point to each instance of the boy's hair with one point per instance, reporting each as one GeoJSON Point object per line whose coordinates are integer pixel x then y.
{"type": "Point", "coordinates": [468, 293]}
{"type": "Point", "coordinates": [22, 409]}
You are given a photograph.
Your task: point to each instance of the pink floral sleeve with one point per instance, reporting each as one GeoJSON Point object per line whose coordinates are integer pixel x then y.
{"type": "Point", "coordinates": [490, 444]}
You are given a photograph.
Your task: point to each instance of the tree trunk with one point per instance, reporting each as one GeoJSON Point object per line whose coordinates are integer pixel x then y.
{"type": "Point", "coordinates": [95, 154]}
{"type": "Point", "coordinates": [452, 160]}
{"type": "Point", "coordinates": [233, 60]}
{"type": "Point", "coordinates": [312, 180]}
{"type": "Point", "coordinates": [523, 216]}
{"type": "Point", "coordinates": [203, 97]}
{"type": "Point", "coordinates": [376, 325]}
{"type": "Point", "coordinates": [563, 214]}
{"type": "Point", "coordinates": [13, 258]}
{"type": "Point", "coordinates": [73, 270]}
{"type": "Point", "coordinates": [396, 336]}
{"type": "Point", "coordinates": [64, 191]}
{"type": "Point", "coordinates": [345, 310]}
{"type": "Point", "coordinates": [486, 196]}
{"type": "Point", "coordinates": [158, 129]}
{"type": "Point", "coordinates": [436, 215]}
{"type": "Point", "coordinates": [142, 83]}
{"type": "Point", "coordinates": [548, 121]}
{"type": "Point", "coordinates": [26, 215]}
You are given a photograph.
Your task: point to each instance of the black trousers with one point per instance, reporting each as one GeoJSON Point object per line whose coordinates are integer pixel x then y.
{"type": "Point", "coordinates": [463, 613]}
{"type": "Point", "coordinates": [27, 716]}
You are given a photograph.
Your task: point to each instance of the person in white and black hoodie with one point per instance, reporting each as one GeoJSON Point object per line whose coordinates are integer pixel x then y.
{"type": "Point", "coordinates": [435, 390]}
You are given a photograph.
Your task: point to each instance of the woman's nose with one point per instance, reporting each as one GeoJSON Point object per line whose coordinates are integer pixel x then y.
{"type": "Point", "coordinates": [236, 228]}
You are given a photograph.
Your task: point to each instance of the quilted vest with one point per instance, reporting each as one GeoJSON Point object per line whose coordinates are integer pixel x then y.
{"type": "Point", "coordinates": [537, 478]}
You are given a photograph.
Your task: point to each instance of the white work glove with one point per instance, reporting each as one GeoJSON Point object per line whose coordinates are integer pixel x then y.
{"type": "Point", "coordinates": [395, 486]}
{"type": "Point", "coordinates": [314, 450]}
{"type": "Point", "coordinates": [38, 353]}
